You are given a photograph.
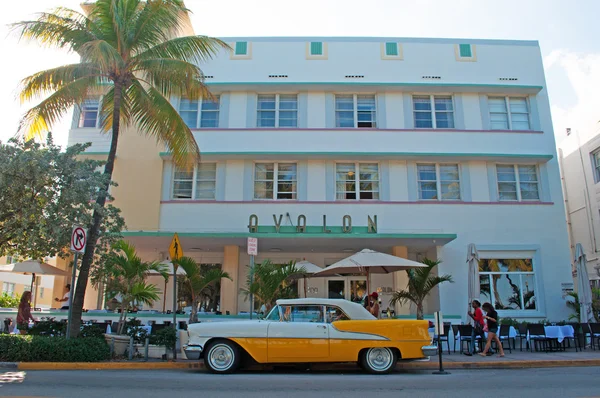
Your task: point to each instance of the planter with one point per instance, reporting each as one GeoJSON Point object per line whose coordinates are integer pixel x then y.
{"type": "Point", "coordinates": [156, 351]}
{"type": "Point", "coordinates": [121, 343]}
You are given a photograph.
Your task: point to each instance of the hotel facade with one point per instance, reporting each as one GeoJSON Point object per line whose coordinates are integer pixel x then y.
{"type": "Point", "coordinates": [321, 147]}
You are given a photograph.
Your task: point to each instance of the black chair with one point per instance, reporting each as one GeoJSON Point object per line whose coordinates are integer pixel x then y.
{"type": "Point", "coordinates": [537, 335]}
{"type": "Point", "coordinates": [445, 337]}
{"type": "Point", "coordinates": [114, 327]}
{"type": "Point", "coordinates": [182, 325]}
{"type": "Point", "coordinates": [522, 335]}
{"type": "Point", "coordinates": [156, 327]}
{"type": "Point", "coordinates": [454, 335]}
{"type": "Point", "coordinates": [576, 334]}
{"type": "Point", "coordinates": [504, 335]}
{"type": "Point", "coordinates": [465, 335]}
{"type": "Point", "coordinates": [595, 334]}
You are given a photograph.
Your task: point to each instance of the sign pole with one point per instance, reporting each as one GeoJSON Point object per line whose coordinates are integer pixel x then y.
{"type": "Point", "coordinates": [251, 283]}
{"type": "Point", "coordinates": [439, 326]}
{"type": "Point", "coordinates": [78, 242]}
{"type": "Point", "coordinates": [176, 252]}
{"type": "Point", "coordinates": [70, 316]}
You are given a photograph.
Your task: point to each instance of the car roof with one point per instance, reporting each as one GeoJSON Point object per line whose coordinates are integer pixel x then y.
{"type": "Point", "coordinates": [353, 310]}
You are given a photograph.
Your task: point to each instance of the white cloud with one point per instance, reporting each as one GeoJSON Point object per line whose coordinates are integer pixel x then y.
{"type": "Point", "coordinates": [582, 72]}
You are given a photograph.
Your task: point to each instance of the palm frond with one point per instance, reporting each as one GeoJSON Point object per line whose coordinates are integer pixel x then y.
{"type": "Point", "coordinates": [174, 77]}
{"type": "Point", "coordinates": [193, 49]}
{"type": "Point", "coordinates": [156, 22]}
{"type": "Point", "coordinates": [402, 297]}
{"type": "Point", "coordinates": [101, 54]}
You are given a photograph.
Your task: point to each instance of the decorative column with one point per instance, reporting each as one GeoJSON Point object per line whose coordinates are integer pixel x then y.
{"type": "Point", "coordinates": [230, 288]}
{"type": "Point", "coordinates": [401, 280]}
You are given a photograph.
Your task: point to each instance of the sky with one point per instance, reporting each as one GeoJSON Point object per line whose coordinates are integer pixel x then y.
{"type": "Point", "coordinates": [568, 33]}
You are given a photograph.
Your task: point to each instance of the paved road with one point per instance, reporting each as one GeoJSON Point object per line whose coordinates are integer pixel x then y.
{"type": "Point", "coordinates": [556, 382]}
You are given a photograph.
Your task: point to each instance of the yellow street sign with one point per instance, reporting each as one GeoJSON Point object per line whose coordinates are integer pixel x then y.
{"type": "Point", "coordinates": [175, 249]}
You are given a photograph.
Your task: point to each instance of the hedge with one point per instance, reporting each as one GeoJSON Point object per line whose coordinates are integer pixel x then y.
{"type": "Point", "coordinates": [18, 348]}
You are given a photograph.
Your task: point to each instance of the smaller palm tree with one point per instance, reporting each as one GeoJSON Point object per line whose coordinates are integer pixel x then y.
{"type": "Point", "coordinates": [126, 274]}
{"type": "Point", "coordinates": [420, 285]}
{"type": "Point", "coordinates": [198, 280]}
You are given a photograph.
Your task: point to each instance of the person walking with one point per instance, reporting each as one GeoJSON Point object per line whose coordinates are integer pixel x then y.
{"type": "Point", "coordinates": [478, 324]}
{"type": "Point", "coordinates": [24, 313]}
{"type": "Point", "coordinates": [491, 318]}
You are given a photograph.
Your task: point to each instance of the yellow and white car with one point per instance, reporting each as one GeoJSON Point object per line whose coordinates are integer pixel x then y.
{"type": "Point", "coordinates": [311, 331]}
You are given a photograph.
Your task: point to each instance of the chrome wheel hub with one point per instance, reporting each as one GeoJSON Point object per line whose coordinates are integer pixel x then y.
{"type": "Point", "coordinates": [380, 359]}
{"type": "Point", "coordinates": [221, 357]}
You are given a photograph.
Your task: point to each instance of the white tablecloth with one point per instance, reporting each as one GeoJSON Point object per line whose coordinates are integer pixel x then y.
{"type": "Point", "coordinates": [558, 332]}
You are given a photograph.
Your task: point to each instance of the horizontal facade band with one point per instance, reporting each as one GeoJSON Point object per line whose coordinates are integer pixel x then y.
{"type": "Point", "coordinates": [354, 202]}
{"type": "Point", "coordinates": [345, 130]}
{"type": "Point", "coordinates": [353, 235]}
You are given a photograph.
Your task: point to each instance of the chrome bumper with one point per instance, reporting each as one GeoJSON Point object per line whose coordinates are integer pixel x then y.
{"type": "Point", "coordinates": [429, 350]}
{"type": "Point", "coordinates": [192, 351]}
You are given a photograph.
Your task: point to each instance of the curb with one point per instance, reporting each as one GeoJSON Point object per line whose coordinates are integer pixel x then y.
{"type": "Point", "coordinates": [200, 365]}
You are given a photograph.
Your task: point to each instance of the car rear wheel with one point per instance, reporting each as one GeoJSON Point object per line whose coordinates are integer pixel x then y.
{"type": "Point", "coordinates": [378, 360]}
{"type": "Point", "coordinates": [222, 356]}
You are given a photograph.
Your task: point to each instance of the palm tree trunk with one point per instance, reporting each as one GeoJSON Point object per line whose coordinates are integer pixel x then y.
{"type": "Point", "coordinates": [420, 311]}
{"type": "Point", "coordinates": [93, 233]}
{"type": "Point", "coordinates": [194, 314]}
{"type": "Point", "coordinates": [122, 318]}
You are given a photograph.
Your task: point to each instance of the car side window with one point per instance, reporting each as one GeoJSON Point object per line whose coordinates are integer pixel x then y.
{"type": "Point", "coordinates": [274, 314]}
{"type": "Point", "coordinates": [303, 313]}
{"type": "Point", "coordinates": [334, 314]}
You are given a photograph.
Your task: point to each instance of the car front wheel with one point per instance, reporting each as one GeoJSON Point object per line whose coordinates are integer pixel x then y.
{"type": "Point", "coordinates": [378, 360]}
{"type": "Point", "coordinates": [222, 356]}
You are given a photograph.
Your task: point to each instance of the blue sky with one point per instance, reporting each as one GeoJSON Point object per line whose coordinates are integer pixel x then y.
{"type": "Point", "coordinates": [568, 33]}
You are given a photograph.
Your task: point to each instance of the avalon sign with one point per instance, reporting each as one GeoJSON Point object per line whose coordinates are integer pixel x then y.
{"type": "Point", "coordinates": [302, 228]}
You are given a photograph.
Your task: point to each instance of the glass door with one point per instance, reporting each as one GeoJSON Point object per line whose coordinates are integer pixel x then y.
{"type": "Point", "coordinates": [358, 289]}
{"type": "Point", "coordinates": [336, 288]}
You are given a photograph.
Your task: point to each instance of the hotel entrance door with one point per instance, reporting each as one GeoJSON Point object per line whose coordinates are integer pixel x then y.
{"type": "Point", "coordinates": [352, 288]}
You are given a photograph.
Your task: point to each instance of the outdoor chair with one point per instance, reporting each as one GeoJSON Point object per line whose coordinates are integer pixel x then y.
{"type": "Point", "coordinates": [465, 335]}
{"type": "Point", "coordinates": [504, 335]}
{"type": "Point", "coordinates": [445, 337]}
{"type": "Point", "coordinates": [182, 325]}
{"type": "Point", "coordinates": [454, 335]}
{"type": "Point", "coordinates": [156, 327]}
{"type": "Point", "coordinates": [522, 335]}
{"type": "Point", "coordinates": [586, 332]}
{"type": "Point", "coordinates": [537, 335]}
{"type": "Point", "coordinates": [115, 327]}
{"type": "Point", "coordinates": [595, 334]}
{"type": "Point", "coordinates": [576, 327]}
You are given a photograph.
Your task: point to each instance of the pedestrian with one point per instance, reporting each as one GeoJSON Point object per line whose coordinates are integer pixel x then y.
{"type": "Point", "coordinates": [373, 306]}
{"type": "Point", "coordinates": [491, 318]}
{"type": "Point", "coordinates": [65, 298]}
{"type": "Point", "coordinates": [478, 324]}
{"type": "Point", "coordinates": [24, 314]}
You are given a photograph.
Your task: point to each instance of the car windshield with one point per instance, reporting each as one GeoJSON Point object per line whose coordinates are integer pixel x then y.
{"type": "Point", "coordinates": [274, 314]}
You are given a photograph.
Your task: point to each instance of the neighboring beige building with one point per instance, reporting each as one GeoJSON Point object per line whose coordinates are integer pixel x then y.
{"type": "Point", "coordinates": [16, 284]}
{"type": "Point", "coordinates": [579, 156]}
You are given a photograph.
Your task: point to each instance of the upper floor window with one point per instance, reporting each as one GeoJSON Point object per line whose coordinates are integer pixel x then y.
{"type": "Point", "coordinates": [197, 182]}
{"type": "Point", "coordinates": [517, 182]}
{"type": "Point", "coordinates": [433, 111]}
{"type": "Point", "coordinates": [465, 52]}
{"type": "Point", "coordinates": [241, 50]}
{"type": "Point", "coordinates": [352, 110]}
{"type": "Point", "coordinates": [316, 50]}
{"type": "Point", "coordinates": [9, 259]}
{"type": "Point", "coordinates": [89, 113]}
{"type": "Point", "coordinates": [509, 113]}
{"type": "Point", "coordinates": [596, 159]}
{"type": "Point", "coordinates": [391, 50]}
{"type": "Point", "coordinates": [357, 181]}
{"type": "Point", "coordinates": [8, 288]}
{"type": "Point", "coordinates": [200, 113]}
{"type": "Point", "coordinates": [438, 181]}
{"type": "Point", "coordinates": [277, 110]}
{"type": "Point", "coordinates": [275, 181]}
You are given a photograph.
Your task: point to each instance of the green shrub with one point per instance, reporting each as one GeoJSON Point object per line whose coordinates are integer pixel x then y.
{"type": "Point", "coordinates": [166, 337]}
{"type": "Point", "coordinates": [16, 348]}
{"type": "Point", "coordinates": [91, 331]}
{"type": "Point", "coordinates": [9, 302]}
{"type": "Point", "coordinates": [48, 327]}
{"type": "Point", "coordinates": [133, 328]}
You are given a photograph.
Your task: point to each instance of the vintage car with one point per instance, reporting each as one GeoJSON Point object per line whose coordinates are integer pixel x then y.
{"type": "Point", "coordinates": [311, 331]}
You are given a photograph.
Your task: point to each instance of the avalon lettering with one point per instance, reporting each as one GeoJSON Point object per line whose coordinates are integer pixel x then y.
{"type": "Point", "coordinates": [301, 227]}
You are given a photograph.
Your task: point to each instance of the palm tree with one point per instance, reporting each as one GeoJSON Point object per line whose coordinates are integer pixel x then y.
{"type": "Point", "coordinates": [270, 282]}
{"type": "Point", "coordinates": [198, 280]}
{"type": "Point", "coordinates": [126, 274]}
{"type": "Point", "coordinates": [420, 285]}
{"type": "Point", "coordinates": [130, 54]}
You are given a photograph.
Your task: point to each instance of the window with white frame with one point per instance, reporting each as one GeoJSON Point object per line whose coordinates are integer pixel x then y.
{"type": "Point", "coordinates": [438, 181]}
{"type": "Point", "coordinates": [509, 113]}
{"type": "Point", "coordinates": [357, 181]}
{"type": "Point", "coordinates": [517, 182]}
{"type": "Point", "coordinates": [316, 50]}
{"type": "Point", "coordinates": [89, 113]}
{"type": "Point", "coordinates": [465, 52]}
{"type": "Point", "coordinates": [200, 113]}
{"type": "Point", "coordinates": [433, 111]}
{"type": "Point", "coordinates": [198, 182]}
{"type": "Point", "coordinates": [275, 180]}
{"type": "Point", "coordinates": [508, 284]}
{"type": "Point", "coordinates": [41, 292]}
{"type": "Point", "coordinates": [596, 160]}
{"type": "Point", "coordinates": [277, 110]}
{"type": "Point", "coordinates": [355, 111]}
{"type": "Point", "coordinates": [8, 288]}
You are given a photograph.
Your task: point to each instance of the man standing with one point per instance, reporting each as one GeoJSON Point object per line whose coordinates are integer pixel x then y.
{"type": "Point", "coordinates": [65, 298]}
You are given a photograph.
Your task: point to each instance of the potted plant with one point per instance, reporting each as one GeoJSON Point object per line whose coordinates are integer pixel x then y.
{"type": "Point", "coordinates": [162, 343]}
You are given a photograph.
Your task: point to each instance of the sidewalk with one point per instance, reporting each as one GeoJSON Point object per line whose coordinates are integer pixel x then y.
{"type": "Point", "coordinates": [516, 359]}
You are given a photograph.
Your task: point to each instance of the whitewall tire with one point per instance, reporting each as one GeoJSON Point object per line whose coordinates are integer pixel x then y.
{"type": "Point", "coordinates": [378, 360]}
{"type": "Point", "coordinates": [222, 356]}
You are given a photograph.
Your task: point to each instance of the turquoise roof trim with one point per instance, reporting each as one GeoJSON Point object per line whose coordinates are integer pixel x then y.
{"type": "Point", "coordinates": [287, 235]}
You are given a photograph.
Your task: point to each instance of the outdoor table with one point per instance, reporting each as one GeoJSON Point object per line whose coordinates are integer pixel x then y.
{"type": "Point", "coordinates": [558, 332]}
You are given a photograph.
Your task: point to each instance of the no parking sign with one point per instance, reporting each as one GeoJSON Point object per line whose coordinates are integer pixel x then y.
{"type": "Point", "coordinates": [78, 239]}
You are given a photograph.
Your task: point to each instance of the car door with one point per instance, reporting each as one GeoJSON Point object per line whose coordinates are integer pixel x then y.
{"type": "Point", "coordinates": [300, 336]}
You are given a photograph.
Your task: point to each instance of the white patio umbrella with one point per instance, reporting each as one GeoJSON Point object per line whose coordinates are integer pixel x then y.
{"type": "Point", "coordinates": [33, 268]}
{"type": "Point", "coordinates": [309, 269]}
{"type": "Point", "coordinates": [369, 262]}
{"type": "Point", "coordinates": [584, 291]}
{"type": "Point", "coordinates": [474, 284]}
{"type": "Point", "coordinates": [170, 268]}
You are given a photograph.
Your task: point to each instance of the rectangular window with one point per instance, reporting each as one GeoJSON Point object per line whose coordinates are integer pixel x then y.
{"type": "Point", "coordinates": [9, 259]}
{"type": "Point", "coordinates": [316, 48]}
{"type": "Point", "coordinates": [41, 292]}
{"type": "Point", "coordinates": [509, 113]}
{"type": "Point", "coordinates": [207, 109]}
{"type": "Point", "coordinates": [391, 49]}
{"type": "Point", "coordinates": [433, 111]}
{"type": "Point", "coordinates": [275, 181]}
{"type": "Point", "coordinates": [357, 181]}
{"type": "Point", "coordinates": [8, 288]}
{"type": "Point", "coordinates": [438, 181]}
{"type": "Point", "coordinates": [277, 110]}
{"type": "Point", "coordinates": [355, 111]}
{"type": "Point", "coordinates": [508, 284]}
{"type": "Point", "coordinates": [303, 313]}
{"type": "Point", "coordinates": [517, 182]}
{"type": "Point", "coordinates": [89, 113]}
{"type": "Point", "coordinates": [465, 50]}
{"type": "Point", "coordinates": [241, 48]}
{"type": "Point", "coordinates": [596, 160]}
{"type": "Point", "coordinates": [198, 183]}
